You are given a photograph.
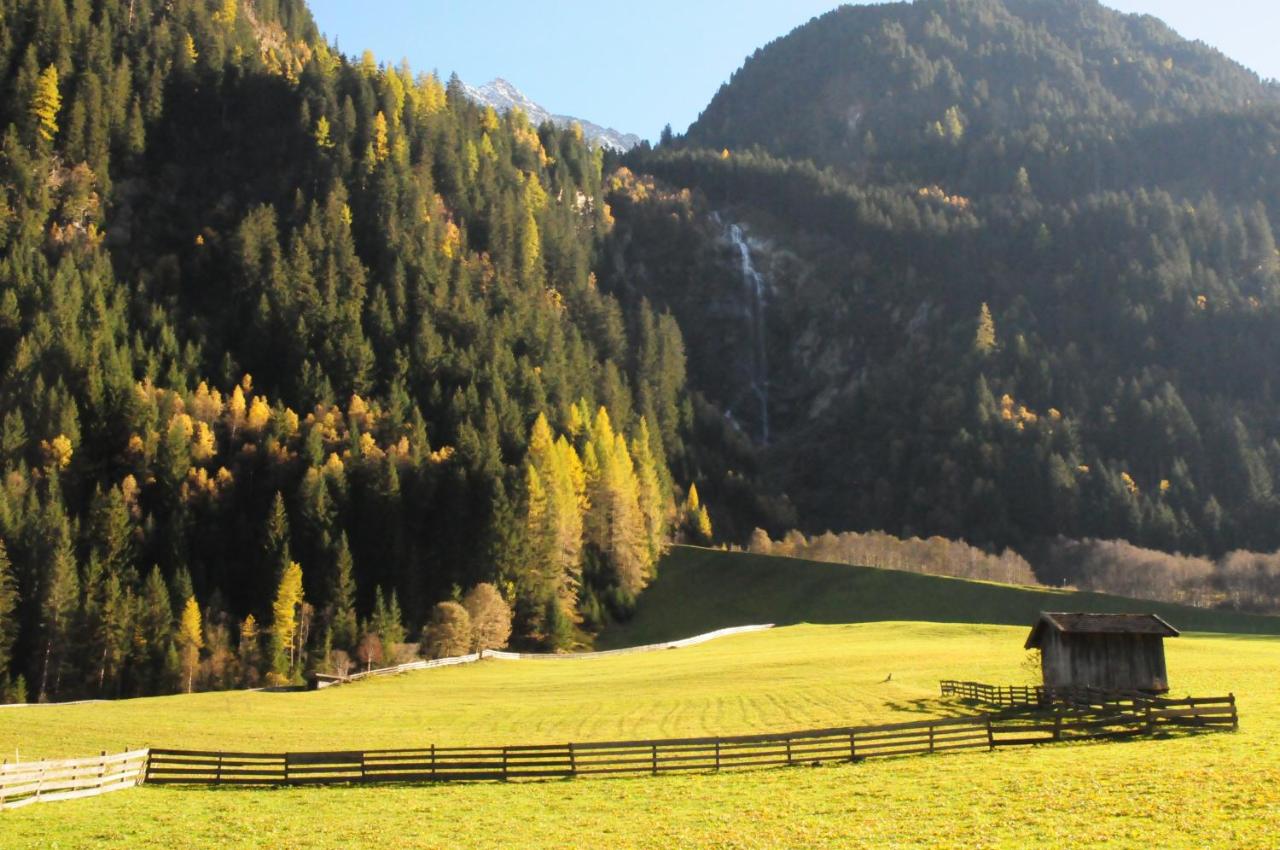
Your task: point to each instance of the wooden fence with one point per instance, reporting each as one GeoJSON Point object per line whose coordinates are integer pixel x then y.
{"type": "Point", "coordinates": [25, 783]}
{"type": "Point", "coordinates": [1022, 724]}
{"type": "Point", "coordinates": [1152, 711]}
{"type": "Point", "coordinates": [1061, 722]}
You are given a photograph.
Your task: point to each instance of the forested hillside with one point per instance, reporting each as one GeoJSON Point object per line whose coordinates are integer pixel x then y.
{"type": "Point", "coordinates": [1020, 274]}
{"type": "Point", "coordinates": [294, 347]}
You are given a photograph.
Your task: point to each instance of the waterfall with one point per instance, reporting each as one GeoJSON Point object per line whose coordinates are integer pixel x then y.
{"type": "Point", "coordinates": [759, 366]}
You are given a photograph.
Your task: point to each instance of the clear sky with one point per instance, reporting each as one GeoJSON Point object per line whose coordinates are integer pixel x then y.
{"type": "Point", "coordinates": [638, 66]}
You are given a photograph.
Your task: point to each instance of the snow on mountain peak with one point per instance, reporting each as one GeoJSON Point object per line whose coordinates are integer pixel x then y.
{"type": "Point", "coordinates": [503, 96]}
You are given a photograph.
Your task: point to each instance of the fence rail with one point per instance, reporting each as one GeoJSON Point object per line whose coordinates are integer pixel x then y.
{"type": "Point", "coordinates": [1091, 716]}
{"type": "Point", "coordinates": [1149, 710]}
{"type": "Point", "coordinates": [25, 783]}
{"type": "Point", "coordinates": [1122, 717]}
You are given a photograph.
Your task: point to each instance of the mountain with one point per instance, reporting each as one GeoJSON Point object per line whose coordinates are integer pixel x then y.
{"type": "Point", "coordinates": [294, 348]}
{"type": "Point", "coordinates": [999, 270]}
{"type": "Point", "coordinates": [503, 96]}
{"type": "Point", "coordinates": [899, 90]}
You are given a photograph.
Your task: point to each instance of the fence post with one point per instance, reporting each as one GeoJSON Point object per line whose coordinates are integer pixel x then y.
{"type": "Point", "coordinates": [931, 737]}
{"type": "Point", "coordinates": [433, 761]}
{"type": "Point", "coordinates": [102, 766]}
{"type": "Point", "coordinates": [717, 755]}
{"type": "Point", "coordinates": [286, 768]}
{"type": "Point", "coordinates": [1235, 715]}
{"type": "Point", "coordinates": [853, 746]}
{"type": "Point", "coordinates": [788, 751]}
{"type": "Point", "coordinates": [217, 777]}
{"type": "Point", "coordinates": [504, 764]}
{"type": "Point", "coordinates": [655, 759]}
{"type": "Point", "coordinates": [573, 761]}
{"type": "Point", "coordinates": [363, 769]}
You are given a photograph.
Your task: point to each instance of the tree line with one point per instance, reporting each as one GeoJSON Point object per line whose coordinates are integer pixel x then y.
{"type": "Point", "coordinates": [282, 334]}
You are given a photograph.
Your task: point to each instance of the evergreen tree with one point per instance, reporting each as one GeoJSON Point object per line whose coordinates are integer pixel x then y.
{"type": "Point", "coordinates": [8, 609]}
{"type": "Point", "coordinates": [341, 615]}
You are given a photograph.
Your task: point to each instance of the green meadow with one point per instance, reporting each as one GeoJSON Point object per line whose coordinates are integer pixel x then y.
{"type": "Point", "coordinates": [1212, 790]}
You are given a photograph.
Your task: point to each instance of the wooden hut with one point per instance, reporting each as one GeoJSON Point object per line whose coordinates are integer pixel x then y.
{"type": "Point", "coordinates": [1118, 652]}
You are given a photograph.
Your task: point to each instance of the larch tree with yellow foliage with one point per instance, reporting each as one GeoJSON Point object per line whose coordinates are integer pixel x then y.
{"type": "Point", "coordinates": [190, 641]}
{"type": "Point", "coordinates": [284, 623]}
{"type": "Point", "coordinates": [46, 102]}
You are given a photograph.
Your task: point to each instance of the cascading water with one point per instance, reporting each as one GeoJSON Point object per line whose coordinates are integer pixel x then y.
{"type": "Point", "coordinates": [759, 366]}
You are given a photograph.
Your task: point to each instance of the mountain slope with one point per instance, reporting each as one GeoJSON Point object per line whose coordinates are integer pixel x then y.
{"type": "Point", "coordinates": [263, 308]}
{"type": "Point", "coordinates": [927, 91]}
{"type": "Point", "coordinates": [1035, 290]}
{"type": "Point", "coordinates": [710, 589]}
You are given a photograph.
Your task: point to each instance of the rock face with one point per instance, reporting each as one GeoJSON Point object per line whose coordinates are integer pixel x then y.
{"type": "Point", "coordinates": [503, 96]}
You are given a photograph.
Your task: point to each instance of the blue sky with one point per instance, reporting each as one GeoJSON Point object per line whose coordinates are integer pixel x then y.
{"type": "Point", "coordinates": [637, 66]}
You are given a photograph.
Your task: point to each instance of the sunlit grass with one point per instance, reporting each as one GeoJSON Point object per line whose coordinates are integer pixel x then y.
{"type": "Point", "coordinates": [1213, 790]}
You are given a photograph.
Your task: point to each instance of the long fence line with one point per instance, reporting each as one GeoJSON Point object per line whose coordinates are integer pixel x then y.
{"type": "Point", "coordinates": [1085, 717]}
{"type": "Point", "coordinates": [325, 680]}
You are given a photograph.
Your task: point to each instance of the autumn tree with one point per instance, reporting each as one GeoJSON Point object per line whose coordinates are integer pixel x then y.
{"type": "Point", "coordinates": [984, 339]}
{"type": "Point", "coordinates": [284, 622]}
{"type": "Point", "coordinates": [448, 631]}
{"type": "Point", "coordinates": [490, 617]}
{"type": "Point", "coordinates": [46, 102]}
{"type": "Point", "coordinates": [190, 641]}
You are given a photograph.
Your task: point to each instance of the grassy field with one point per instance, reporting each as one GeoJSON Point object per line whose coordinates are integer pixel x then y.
{"type": "Point", "coordinates": [1219, 790]}
{"type": "Point", "coordinates": [702, 589]}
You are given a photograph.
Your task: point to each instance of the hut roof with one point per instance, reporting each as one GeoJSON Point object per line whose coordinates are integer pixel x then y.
{"type": "Point", "coordinates": [1099, 624]}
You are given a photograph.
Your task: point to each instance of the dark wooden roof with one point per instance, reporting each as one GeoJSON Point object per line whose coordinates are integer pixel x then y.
{"type": "Point", "coordinates": [1099, 624]}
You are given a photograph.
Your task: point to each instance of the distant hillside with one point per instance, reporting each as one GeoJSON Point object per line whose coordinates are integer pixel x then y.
{"type": "Point", "coordinates": [503, 96]}
{"type": "Point", "coordinates": [702, 589]}
{"type": "Point", "coordinates": [941, 89]}
{"type": "Point", "coordinates": [995, 270]}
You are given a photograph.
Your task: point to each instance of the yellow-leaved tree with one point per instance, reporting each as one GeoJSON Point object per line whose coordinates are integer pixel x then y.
{"type": "Point", "coordinates": [284, 622]}
{"type": "Point", "coordinates": [190, 641]}
{"type": "Point", "coordinates": [46, 102]}
{"type": "Point", "coordinates": [984, 339]}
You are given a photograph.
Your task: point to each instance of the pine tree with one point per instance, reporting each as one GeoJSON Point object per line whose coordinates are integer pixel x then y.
{"type": "Point", "coordinates": [190, 641]}
{"type": "Point", "coordinates": [387, 622]}
{"type": "Point", "coordinates": [115, 625]}
{"type": "Point", "coordinates": [8, 608]}
{"type": "Point", "coordinates": [57, 609]}
{"type": "Point", "coordinates": [341, 614]}
{"type": "Point", "coordinates": [249, 652]}
{"type": "Point", "coordinates": [153, 638]}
